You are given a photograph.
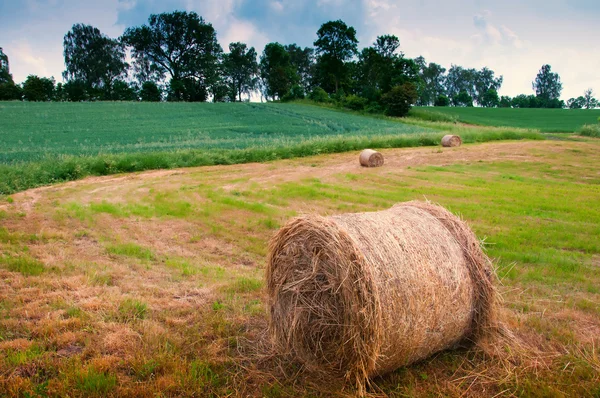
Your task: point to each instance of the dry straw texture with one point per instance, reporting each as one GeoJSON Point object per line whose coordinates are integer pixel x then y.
{"type": "Point", "coordinates": [359, 295]}
{"type": "Point", "coordinates": [451, 140]}
{"type": "Point", "coordinates": [370, 158]}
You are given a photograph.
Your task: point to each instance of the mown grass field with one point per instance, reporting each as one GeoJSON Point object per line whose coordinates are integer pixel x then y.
{"type": "Point", "coordinates": [545, 120]}
{"type": "Point", "coordinates": [45, 143]}
{"type": "Point", "coordinates": [152, 284]}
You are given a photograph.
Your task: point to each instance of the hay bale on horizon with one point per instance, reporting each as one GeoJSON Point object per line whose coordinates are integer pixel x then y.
{"type": "Point", "coordinates": [370, 158]}
{"type": "Point", "coordinates": [359, 295]}
{"type": "Point", "coordinates": [451, 140]}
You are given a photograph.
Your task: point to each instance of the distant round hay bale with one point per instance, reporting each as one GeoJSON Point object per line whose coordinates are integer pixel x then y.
{"type": "Point", "coordinates": [370, 158]}
{"type": "Point", "coordinates": [359, 295]}
{"type": "Point", "coordinates": [451, 140]}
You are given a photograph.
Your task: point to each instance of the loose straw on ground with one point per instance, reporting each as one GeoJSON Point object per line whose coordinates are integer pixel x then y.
{"type": "Point", "coordinates": [370, 158]}
{"type": "Point", "coordinates": [359, 295]}
{"type": "Point", "coordinates": [451, 140]}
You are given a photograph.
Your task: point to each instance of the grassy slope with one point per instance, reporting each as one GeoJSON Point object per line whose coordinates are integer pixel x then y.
{"type": "Point", "coordinates": [30, 131]}
{"type": "Point", "coordinates": [545, 120]}
{"type": "Point", "coordinates": [152, 284]}
{"type": "Point", "coordinates": [54, 142]}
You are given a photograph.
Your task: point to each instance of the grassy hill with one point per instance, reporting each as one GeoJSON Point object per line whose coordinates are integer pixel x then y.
{"type": "Point", "coordinates": [545, 120]}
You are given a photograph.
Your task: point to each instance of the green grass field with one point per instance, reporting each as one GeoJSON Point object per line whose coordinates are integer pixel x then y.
{"type": "Point", "coordinates": [545, 120]}
{"type": "Point", "coordinates": [45, 143]}
{"type": "Point", "coordinates": [31, 131]}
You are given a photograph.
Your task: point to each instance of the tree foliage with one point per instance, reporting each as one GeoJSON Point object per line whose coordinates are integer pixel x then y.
{"type": "Point", "coordinates": [93, 58]}
{"type": "Point", "coordinates": [38, 88]}
{"type": "Point", "coordinates": [547, 86]}
{"type": "Point", "coordinates": [5, 75]}
{"type": "Point", "coordinates": [150, 92]}
{"type": "Point", "coordinates": [319, 95]}
{"type": "Point", "coordinates": [589, 102]}
{"type": "Point", "coordinates": [505, 102]}
{"type": "Point", "coordinates": [432, 79]}
{"type": "Point", "coordinates": [335, 45]}
{"type": "Point", "coordinates": [462, 99]}
{"type": "Point", "coordinates": [8, 89]}
{"type": "Point", "coordinates": [442, 100]}
{"type": "Point", "coordinates": [240, 70]}
{"type": "Point", "coordinates": [302, 60]}
{"type": "Point", "coordinates": [400, 99]}
{"type": "Point", "coordinates": [276, 70]}
{"type": "Point", "coordinates": [490, 99]}
{"type": "Point", "coordinates": [179, 44]}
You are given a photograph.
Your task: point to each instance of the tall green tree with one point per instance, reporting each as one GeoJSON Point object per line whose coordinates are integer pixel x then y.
{"type": "Point", "coordinates": [460, 79]}
{"type": "Point", "coordinates": [8, 89]}
{"type": "Point", "coordinates": [336, 44]}
{"type": "Point", "coordinates": [547, 86]}
{"type": "Point", "coordinates": [431, 86]}
{"type": "Point", "coordinates": [486, 84]}
{"type": "Point", "coordinates": [387, 46]}
{"type": "Point", "coordinates": [179, 44]}
{"type": "Point", "coordinates": [93, 58]}
{"type": "Point", "coordinates": [302, 60]}
{"type": "Point", "coordinates": [589, 101]}
{"type": "Point", "coordinates": [276, 71]}
{"type": "Point", "coordinates": [241, 68]}
{"type": "Point", "coordinates": [37, 88]}
{"type": "Point", "coordinates": [399, 99]}
{"type": "Point", "coordinates": [382, 67]}
{"type": "Point", "coordinates": [5, 75]}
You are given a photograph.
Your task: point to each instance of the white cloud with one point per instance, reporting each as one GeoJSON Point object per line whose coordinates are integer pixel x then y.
{"type": "Point", "coordinates": [277, 6]}
{"type": "Point", "coordinates": [245, 32]}
{"type": "Point", "coordinates": [24, 58]}
{"type": "Point", "coordinates": [511, 37]}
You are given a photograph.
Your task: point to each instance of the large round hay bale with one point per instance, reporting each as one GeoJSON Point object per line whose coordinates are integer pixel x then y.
{"type": "Point", "coordinates": [370, 158]}
{"type": "Point", "coordinates": [359, 295]}
{"type": "Point", "coordinates": [451, 140]}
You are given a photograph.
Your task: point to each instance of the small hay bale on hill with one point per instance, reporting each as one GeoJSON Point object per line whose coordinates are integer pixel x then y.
{"type": "Point", "coordinates": [370, 158]}
{"type": "Point", "coordinates": [451, 140]}
{"type": "Point", "coordinates": [359, 295]}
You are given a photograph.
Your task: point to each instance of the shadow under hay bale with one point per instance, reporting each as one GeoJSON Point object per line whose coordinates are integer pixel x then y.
{"type": "Point", "coordinates": [370, 158]}
{"type": "Point", "coordinates": [451, 140]}
{"type": "Point", "coordinates": [359, 295]}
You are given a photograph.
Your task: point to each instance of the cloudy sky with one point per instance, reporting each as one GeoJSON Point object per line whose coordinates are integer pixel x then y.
{"type": "Point", "coordinates": [512, 37]}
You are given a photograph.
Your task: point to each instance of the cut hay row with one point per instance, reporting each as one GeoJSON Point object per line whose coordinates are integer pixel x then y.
{"type": "Point", "coordinates": [359, 295]}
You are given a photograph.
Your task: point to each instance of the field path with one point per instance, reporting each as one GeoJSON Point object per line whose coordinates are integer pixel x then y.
{"type": "Point", "coordinates": [290, 170]}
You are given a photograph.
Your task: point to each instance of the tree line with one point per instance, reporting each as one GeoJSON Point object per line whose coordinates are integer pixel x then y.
{"type": "Point", "coordinates": [176, 57]}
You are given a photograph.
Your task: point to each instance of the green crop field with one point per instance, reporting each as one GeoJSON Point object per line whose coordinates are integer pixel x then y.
{"type": "Point", "coordinates": [45, 143]}
{"type": "Point", "coordinates": [545, 120]}
{"type": "Point", "coordinates": [30, 131]}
